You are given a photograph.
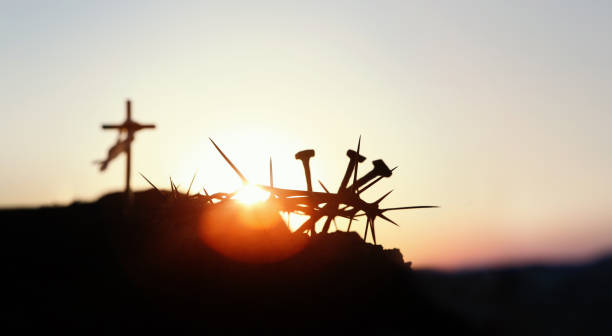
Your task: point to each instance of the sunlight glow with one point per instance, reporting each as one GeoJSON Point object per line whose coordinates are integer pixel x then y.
{"type": "Point", "coordinates": [251, 194]}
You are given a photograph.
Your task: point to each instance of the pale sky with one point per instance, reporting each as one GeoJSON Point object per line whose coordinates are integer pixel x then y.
{"type": "Point", "coordinates": [498, 112]}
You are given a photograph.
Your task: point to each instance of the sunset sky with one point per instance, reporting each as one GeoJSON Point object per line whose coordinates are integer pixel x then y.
{"type": "Point", "coordinates": [500, 113]}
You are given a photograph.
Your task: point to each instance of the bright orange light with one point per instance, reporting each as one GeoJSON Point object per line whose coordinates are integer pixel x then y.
{"type": "Point", "coordinates": [251, 194]}
{"type": "Point", "coordinates": [254, 234]}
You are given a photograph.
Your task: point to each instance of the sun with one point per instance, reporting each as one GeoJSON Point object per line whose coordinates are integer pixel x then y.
{"type": "Point", "coordinates": [251, 194]}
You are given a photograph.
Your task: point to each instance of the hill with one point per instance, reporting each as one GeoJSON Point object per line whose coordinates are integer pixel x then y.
{"type": "Point", "coordinates": [96, 268]}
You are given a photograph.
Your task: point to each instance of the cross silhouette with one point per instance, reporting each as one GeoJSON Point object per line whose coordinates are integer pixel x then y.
{"type": "Point", "coordinates": [131, 127]}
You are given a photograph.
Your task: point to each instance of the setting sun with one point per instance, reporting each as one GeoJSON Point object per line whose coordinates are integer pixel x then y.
{"type": "Point", "coordinates": [251, 194]}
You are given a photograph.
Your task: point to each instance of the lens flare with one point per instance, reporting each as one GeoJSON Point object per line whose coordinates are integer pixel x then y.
{"type": "Point", "coordinates": [251, 194]}
{"type": "Point", "coordinates": [249, 233]}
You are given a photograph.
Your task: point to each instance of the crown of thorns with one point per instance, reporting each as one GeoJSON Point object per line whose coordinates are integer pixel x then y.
{"type": "Point", "coordinates": [346, 202]}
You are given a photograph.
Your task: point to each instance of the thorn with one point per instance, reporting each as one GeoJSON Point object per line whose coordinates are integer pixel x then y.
{"type": "Point", "coordinates": [244, 180]}
{"type": "Point", "coordinates": [308, 225]}
{"type": "Point", "coordinates": [191, 183]}
{"type": "Point", "coordinates": [322, 185]}
{"type": "Point", "coordinates": [172, 186]}
{"type": "Point", "coordinates": [152, 185]}
{"type": "Point", "coordinates": [411, 207]}
{"type": "Point", "coordinates": [209, 200]}
{"type": "Point", "coordinates": [373, 232]}
{"type": "Point", "coordinates": [387, 219]}
{"type": "Point", "coordinates": [383, 197]}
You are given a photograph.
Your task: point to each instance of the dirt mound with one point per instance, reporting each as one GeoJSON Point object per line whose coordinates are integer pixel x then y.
{"type": "Point", "coordinates": [97, 268]}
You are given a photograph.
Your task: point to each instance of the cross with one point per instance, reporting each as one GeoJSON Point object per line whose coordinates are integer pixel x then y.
{"type": "Point", "coordinates": [131, 127]}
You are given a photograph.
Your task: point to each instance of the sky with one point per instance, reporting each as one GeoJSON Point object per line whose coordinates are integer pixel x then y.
{"type": "Point", "coordinates": [499, 112]}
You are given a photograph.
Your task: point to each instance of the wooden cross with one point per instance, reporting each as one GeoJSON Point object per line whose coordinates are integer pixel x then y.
{"type": "Point", "coordinates": [131, 127]}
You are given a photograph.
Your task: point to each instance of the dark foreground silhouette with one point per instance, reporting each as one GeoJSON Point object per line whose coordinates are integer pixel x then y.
{"type": "Point", "coordinates": [92, 268]}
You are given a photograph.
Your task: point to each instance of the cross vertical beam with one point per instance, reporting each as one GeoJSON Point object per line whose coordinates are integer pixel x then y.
{"type": "Point", "coordinates": [128, 150]}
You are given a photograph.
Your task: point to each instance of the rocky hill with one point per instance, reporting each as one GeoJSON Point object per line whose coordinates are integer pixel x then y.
{"type": "Point", "coordinates": [178, 266]}
{"type": "Point", "coordinates": [99, 268]}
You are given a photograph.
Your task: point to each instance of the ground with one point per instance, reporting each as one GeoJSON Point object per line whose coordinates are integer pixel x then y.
{"type": "Point", "coordinates": [98, 268]}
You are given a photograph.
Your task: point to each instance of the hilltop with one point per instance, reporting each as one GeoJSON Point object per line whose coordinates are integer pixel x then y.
{"type": "Point", "coordinates": [97, 268]}
{"type": "Point", "coordinates": [94, 268]}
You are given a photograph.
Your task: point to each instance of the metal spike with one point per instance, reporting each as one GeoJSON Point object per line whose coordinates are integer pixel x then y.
{"type": "Point", "coordinates": [369, 185]}
{"type": "Point", "coordinates": [244, 180]}
{"type": "Point", "coordinates": [373, 182]}
{"type": "Point", "coordinates": [365, 235]}
{"type": "Point", "coordinates": [357, 162]}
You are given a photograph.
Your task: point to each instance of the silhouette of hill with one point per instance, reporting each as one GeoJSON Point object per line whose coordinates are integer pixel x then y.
{"type": "Point", "coordinates": [531, 300]}
{"type": "Point", "coordinates": [94, 268]}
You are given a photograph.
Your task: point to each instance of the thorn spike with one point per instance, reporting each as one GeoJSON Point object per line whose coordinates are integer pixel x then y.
{"type": "Point", "coordinates": [244, 180]}
{"type": "Point", "coordinates": [387, 219]}
{"type": "Point", "coordinates": [411, 207]}
{"type": "Point", "coordinates": [350, 222]}
{"type": "Point", "coordinates": [191, 183]}
{"type": "Point", "coordinates": [151, 183]}
{"type": "Point", "coordinates": [322, 185]}
{"type": "Point", "coordinates": [383, 197]}
{"type": "Point", "coordinates": [373, 232]}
